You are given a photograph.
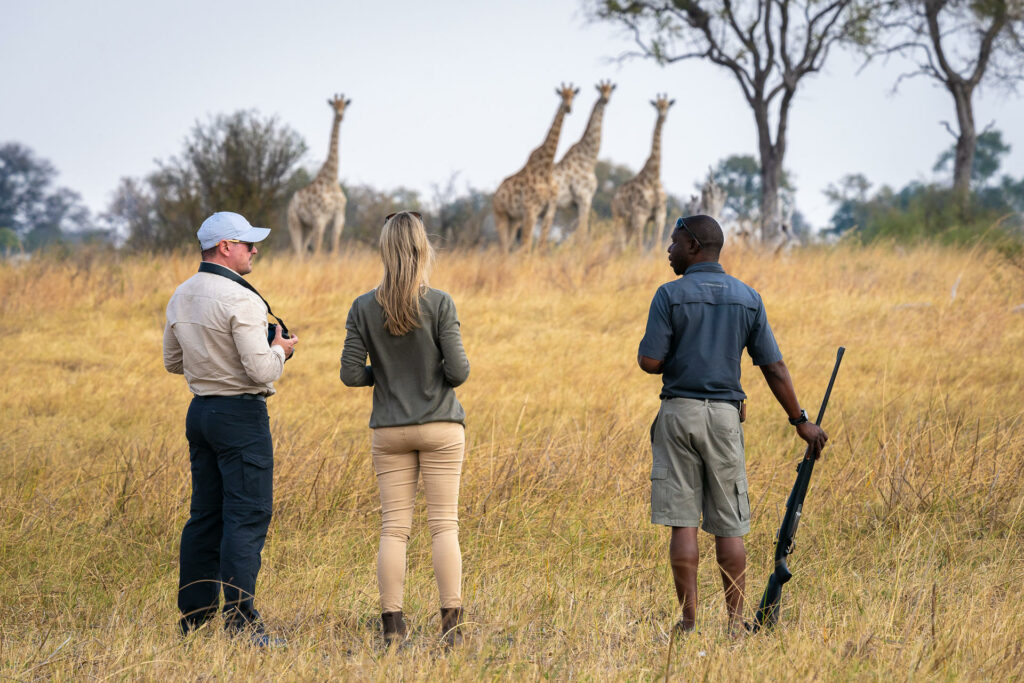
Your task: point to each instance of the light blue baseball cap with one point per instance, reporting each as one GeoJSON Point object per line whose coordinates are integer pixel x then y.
{"type": "Point", "coordinates": [225, 225]}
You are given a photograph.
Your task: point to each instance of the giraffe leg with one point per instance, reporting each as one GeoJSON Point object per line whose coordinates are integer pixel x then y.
{"type": "Point", "coordinates": [583, 214]}
{"type": "Point", "coordinates": [660, 217]}
{"type": "Point", "coordinates": [549, 218]}
{"type": "Point", "coordinates": [295, 229]}
{"type": "Point", "coordinates": [501, 226]}
{"type": "Point", "coordinates": [337, 225]}
{"type": "Point", "coordinates": [529, 223]}
{"type": "Point", "coordinates": [621, 227]}
{"type": "Point", "coordinates": [317, 234]}
{"type": "Point", "coordinates": [636, 229]}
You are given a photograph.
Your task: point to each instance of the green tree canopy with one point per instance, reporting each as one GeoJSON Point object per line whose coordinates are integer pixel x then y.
{"type": "Point", "coordinates": [988, 156]}
{"type": "Point", "coordinates": [238, 162]}
{"type": "Point", "coordinates": [739, 175]}
{"type": "Point", "coordinates": [36, 211]}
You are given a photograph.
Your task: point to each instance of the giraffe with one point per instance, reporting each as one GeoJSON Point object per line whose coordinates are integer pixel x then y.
{"type": "Point", "coordinates": [642, 199]}
{"type": "Point", "coordinates": [521, 197]}
{"type": "Point", "coordinates": [712, 198]}
{"type": "Point", "coordinates": [322, 201]}
{"type": "Point", "coordinates": [574, 174]}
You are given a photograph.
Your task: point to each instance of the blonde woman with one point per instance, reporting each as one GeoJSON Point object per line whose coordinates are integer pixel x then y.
{"type": "Point", "coordinates": [411, 334]}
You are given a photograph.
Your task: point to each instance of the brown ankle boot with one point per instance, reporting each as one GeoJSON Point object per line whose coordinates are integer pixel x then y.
{"type": "Point", "coordinates": [395, 631]}
{"type": "Point", "coordinates": [451, 626]}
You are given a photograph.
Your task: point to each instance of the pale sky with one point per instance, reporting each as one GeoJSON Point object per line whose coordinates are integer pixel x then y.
{"type": "Point", "coordinates": [103, 89]}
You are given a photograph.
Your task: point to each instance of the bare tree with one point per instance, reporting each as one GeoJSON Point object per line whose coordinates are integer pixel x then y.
{"type": "Point", "coordinates": [769, 46]}
{"type": "Point", "coordinates": [961, 44]}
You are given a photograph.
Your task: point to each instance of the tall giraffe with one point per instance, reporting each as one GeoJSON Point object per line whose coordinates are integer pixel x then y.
{"type": "Point", "coordinates": [574, 174]}
{"type": "Point", "coordinates": [321, 202]}
{"type": "Point", "coordinates": [642, 199]}
{"type": "Point", "coordinates": [521, 197]}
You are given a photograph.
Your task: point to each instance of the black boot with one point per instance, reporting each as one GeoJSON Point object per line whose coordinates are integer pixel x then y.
{"type": "Point", "coordinates": [451, 626]}
{"type": "Point", "coordinates": [395, 631]}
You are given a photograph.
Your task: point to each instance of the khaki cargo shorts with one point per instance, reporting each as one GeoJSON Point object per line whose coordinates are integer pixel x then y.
{"type": "Point", "coordinates": [698, 467]}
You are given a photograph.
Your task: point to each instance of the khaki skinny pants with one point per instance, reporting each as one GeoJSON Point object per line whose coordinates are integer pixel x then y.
{"type": "Point", "coordinates": [400, 454]}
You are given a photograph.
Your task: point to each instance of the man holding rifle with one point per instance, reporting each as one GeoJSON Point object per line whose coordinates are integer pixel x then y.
{"type": "Point", "coordinates": [697, 329]}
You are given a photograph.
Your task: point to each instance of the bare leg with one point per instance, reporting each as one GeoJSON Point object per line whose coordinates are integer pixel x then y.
{"type": "Point", "coordinates": [684, 556]}
{"type": "Point", "coordinates": [732, 562]}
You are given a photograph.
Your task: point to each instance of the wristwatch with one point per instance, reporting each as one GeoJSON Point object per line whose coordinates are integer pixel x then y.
{"type": "Point", "coordinates": [799, 420]}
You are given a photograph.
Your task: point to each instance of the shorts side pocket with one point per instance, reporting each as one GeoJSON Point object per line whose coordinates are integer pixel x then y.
{"type": "Point", "coordinates": [743, 500]}
{"type": "Point", "coordinates": [659, 492]}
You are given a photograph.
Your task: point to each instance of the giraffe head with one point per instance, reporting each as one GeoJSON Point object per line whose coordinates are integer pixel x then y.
{"type": "Point", "coordinates": [567, 92]}
{"type": "Point", "coordinates": [662, 103]}
{"type": "Point", "coordinates": [605, 88]}
{"type": "Point", "coordinates": [338, 103]}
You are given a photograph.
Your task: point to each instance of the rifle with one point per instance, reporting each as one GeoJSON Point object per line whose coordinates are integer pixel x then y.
{"type": "Point", "coordinates": [768, 611]}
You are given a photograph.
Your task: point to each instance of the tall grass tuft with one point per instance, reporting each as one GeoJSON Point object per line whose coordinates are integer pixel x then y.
{"type": "Point", "coordinates": [909, 560]}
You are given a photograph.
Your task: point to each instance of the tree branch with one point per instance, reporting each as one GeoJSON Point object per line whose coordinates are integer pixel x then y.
{"type": "Point", "coordinates": [985, 48]}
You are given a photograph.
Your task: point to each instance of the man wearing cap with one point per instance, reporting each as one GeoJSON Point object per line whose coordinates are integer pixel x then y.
{"type": "Point", "coordinates": [216, 335]}
{"type": "Point", "coordinates": [697, 329]}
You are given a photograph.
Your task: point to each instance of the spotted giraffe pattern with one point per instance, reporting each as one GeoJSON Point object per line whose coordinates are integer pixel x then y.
{"type": "Point", "coordinates": [321, 203]}
{"type": "Point", "coordinates": [520, 199]}
{"type": "Point", "coordinates": [574, 175]}
{"type": "Point", "coordinates": [642, 199]}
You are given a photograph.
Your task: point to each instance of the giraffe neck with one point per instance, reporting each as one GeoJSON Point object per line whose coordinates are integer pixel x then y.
{"type": "Point", "coordinates": [652, 169]}
{"type": "Point", "coordinates": [590, 144]}
{"type": "Point", "coordinates": [544, 156]}
{"type": "Point", "coordinates": [329, 171]}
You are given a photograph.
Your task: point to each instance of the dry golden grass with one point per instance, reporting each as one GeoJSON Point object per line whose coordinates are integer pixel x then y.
{"type": "Point", "coordinates": [909, 561]}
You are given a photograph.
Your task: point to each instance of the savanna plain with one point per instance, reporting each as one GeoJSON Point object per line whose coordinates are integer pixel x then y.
{"type": "Point", "coordinates": [909, 562]}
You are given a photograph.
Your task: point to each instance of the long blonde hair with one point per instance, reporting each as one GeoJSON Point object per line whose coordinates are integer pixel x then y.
{"type": "Point", "coordinates": [408, 257]}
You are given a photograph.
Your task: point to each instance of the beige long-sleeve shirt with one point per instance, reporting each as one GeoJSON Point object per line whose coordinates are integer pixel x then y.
{"type": "Point", "coordinates": [216, 335]}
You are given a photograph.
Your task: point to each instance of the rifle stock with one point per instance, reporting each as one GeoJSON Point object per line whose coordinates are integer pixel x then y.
{"type": "Point", "coordinates": [768, 610]}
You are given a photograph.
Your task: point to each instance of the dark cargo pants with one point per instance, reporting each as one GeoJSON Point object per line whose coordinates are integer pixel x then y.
{"type": "Point", "coordinates": [232, 460]}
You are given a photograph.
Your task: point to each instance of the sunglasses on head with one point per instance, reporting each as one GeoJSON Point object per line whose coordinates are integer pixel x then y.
{"type": "Point", "coordinates": [411, 213]}
{"type": "Point", "coordinates": [682, 224]}
{"type": "Point", "coordinates": [248, 245]}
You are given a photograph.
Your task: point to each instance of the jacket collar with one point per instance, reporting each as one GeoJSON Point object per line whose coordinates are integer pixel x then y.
{"type": "Point", "coordinates": [705, 267]}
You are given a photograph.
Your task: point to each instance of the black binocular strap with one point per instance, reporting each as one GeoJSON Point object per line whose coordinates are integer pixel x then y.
{"type": "Point", "coordinates": [216, 269]}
